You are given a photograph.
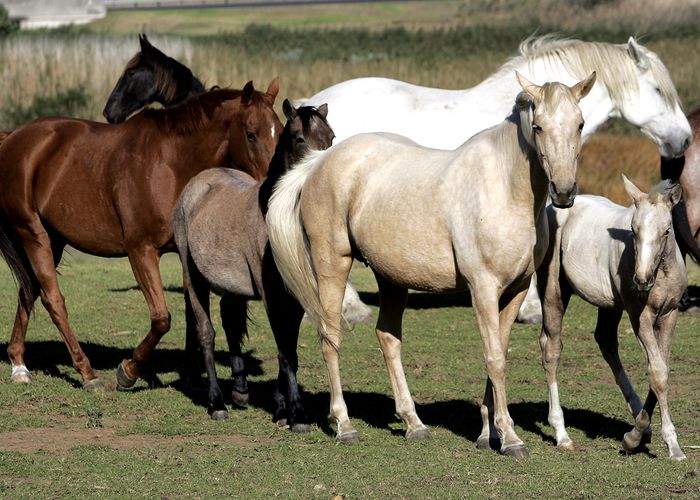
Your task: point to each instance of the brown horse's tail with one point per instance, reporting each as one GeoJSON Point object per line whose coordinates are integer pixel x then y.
{"type": "Point", "coordinates": [16, 259]}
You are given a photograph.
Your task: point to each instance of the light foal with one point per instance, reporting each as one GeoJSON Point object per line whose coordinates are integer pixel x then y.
{"type": "Point", "coordinates": [432, 220]}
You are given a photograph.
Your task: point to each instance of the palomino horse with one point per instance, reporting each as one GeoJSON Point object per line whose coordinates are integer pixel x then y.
{"type": "Point", "coordinates": [634, 85]}
{"type": "Point", "coordinates": [220, 232]}
{"type": "Point", "coordinates": [150, 76]}
{"type": "Point", "coordinates": [433, 220]}
{"type": "Point", "coordinates": [618, 259]}
{"type": "Point", "coordinates": [109, 190]}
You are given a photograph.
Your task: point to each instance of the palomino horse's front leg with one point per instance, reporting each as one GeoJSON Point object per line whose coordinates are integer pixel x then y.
{"type": "Point", "coordinates": [38, 248]}
{"type": "Point", "coordinates": [392, 302]}
{"type": "Point", "coordinates": [494, 338]}
{"type": "Point", "coordinates": [144, 263]}
{"type": "Point", "coordinates": [657, 347]}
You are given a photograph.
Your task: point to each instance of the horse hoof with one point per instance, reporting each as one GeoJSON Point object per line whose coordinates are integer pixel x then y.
{"type": "Point", "coordinates": [629, 443]}
{"type": "Point", "coordinates": [517, 451]}
{"type": "Point", "coordinates": [240, 399]}
{"type": "Point", "coordinates": [300, 428]}
{"type": "Point", "coordinates": [485, 443]}
{"type": "Point", "coordinates": [566, 445]}
{"type": "Point", "coordinates": [348, 437]}
{"type": "Point", "coordinates": [678, 457]}
{"type": "Point", "coordinates": [124, 382]}
{"type": "Point", "coordinates": [219, 415]}
{"type": "Point", "coordinates": [421, 434]}
{"type": "Point", "coordinates": [646, 437]}
{"type": "Point", "coordinates": [20, 375]}
{"type": "Point", "coordinates": [95, 385]}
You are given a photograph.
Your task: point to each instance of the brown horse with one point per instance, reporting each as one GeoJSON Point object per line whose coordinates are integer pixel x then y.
{"type": "Point", "coordinates": [109, 190]}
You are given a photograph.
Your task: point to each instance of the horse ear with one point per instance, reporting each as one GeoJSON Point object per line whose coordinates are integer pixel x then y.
{"type": "Point", "coordinates": [143, 41]}
{"type": "Point", "coordinates": [633, 191]}
{"type": "Point", "coordinates": [534, 91]}
{"type": "Point", "coordinates": [289, 110]}
{"type": "Point", "coordinates": [674, 195]}
{"type": "Point", "coordinates": [248, 92]}
{"type": "Point", "coordinates": [637, 54]}
{"type": "Point", "coordinates": [274, 88]}
{"type": "Point", "coordinates": [323, 110]}
{"type": "Point", "coordinates": [582, 88]}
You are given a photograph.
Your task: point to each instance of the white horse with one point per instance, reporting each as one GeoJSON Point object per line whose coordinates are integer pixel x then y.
{"type": "Point", "coordinates": [633, 84]}
{"type": "Point", "coordinates": [618, 259]}
{"type": "Point", "coordinates": [433, 220]}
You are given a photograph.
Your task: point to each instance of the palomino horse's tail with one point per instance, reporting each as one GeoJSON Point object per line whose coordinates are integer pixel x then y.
{"type": "Point", "coordinates": [290, 247]}
{"type": "Point", "coordinates": [16, 259]}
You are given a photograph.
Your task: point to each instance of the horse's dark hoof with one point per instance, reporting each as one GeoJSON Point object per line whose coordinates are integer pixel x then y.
{"type": "Point", "coordinates": [124, 382]}
{"type": "Point", "coordinates": [300, 428]}
{"type": "Point", "coordinates": [483, 443]}
{"type": "Point", "coordinates": [219, 415]}
{"type": "Point", "coordinates": [348, 437]}
{"type": "Point", "coordinates": [240, 399]}
{"type": "Point", "coordinates": [646, 437]}
{"type": "Point", "coordinates": [517, 451]}
{"type": "Point", "coordinates": [421, 434]}
{"type": "Point", "coordinates": [95, 385]}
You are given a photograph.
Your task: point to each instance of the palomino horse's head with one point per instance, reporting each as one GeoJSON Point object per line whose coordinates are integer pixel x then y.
{"type": "Point", "coordinates": [557, 122]}
{"type": "Point", "coordinates": [306, 129]}
{"type": "Point", "coordinates": [655, 108]}
{"type": "Point", "coordinates": [150, 76]}
{"type": "Point", "coordinates": [255, 130]}
{"type": "Point", "coordinates": [652, 228]}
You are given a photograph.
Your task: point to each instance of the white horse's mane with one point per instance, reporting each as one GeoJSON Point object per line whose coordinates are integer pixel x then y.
{"type": "Point", "coordinates": [615, 67]}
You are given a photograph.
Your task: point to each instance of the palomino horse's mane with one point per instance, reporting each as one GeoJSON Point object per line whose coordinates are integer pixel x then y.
{"type": "Point", "coordinates": [614, 66]}
{"type": "Point", "coordinates": [193, 114]}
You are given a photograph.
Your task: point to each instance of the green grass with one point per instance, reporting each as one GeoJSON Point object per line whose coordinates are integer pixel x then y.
{"type": "Point", "coordinates": [57, 440]}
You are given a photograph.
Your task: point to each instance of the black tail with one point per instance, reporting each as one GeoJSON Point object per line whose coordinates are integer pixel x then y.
{"type": "Point", "coordinates": [684, 237]}
{"type": "Point", "coordinates": [17, 260]}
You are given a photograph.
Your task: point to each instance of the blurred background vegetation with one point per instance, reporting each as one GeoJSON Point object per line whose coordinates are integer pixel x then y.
{"type": "Point", "coordinates": [447, 44]}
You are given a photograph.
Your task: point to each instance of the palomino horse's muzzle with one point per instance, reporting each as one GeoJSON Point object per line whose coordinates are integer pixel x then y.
{"type": "Point", "coordinates": [563, 198]}
{"type": "Point", "coordinates": [643, 285]}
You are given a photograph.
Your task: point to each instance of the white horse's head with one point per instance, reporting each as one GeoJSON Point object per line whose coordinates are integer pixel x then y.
{"type": "Point", "coordinates": [655, 109]}
{"type": "Point", "coordinates": [557, 122]}
{"type": "Point", "coordinates": [652, 228]}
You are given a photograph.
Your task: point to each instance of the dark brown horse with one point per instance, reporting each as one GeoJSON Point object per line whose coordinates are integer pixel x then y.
{"type": "Point", "coordinates": [109, 190]}
{"type": "Point", "coordinates": [221, 235]}
{"type": "Point", "coordinates": [150, 76]}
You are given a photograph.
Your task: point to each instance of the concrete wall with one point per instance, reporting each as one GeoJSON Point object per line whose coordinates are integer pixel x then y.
{"type": "Point", "coordinates": [53, 13]}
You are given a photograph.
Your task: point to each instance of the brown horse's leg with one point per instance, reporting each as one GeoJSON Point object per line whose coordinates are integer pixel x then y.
{"type": "Point", "coordinates": [38, 248]}
{"type": "Point", "coordinates": [144, 263]}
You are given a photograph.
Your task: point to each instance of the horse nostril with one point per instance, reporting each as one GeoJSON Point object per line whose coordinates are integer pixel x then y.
{"type": "Point", "coordinates": [686, 143]}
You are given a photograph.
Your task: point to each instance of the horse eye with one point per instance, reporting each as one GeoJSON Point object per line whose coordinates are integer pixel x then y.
{"type": "Point", "coordinates": [536, 128]}
{"type": "Point", "coordinates": [580, 126]}
{"type": "Point", "coordinates": [658, 90]}
{"type": "Point", "coordinates": [251, 137]}
{"type": "Point", "coordinates": [667, 232]}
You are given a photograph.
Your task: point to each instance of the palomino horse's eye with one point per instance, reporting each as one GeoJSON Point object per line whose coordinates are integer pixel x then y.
{"type": "Point", "coordinates": [667, 232]}
{"type": "Point", "coordinates": [580, 126]}
{"type": "Point", "coordinates": [536, 128]}
{"type": "Point", "coordinates": [251, 137]}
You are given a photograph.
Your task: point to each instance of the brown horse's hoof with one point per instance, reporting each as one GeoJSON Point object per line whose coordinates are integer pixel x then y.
{"type": "Point", "coordinates": [240, 399]}
{"type": "Point", "coordinates": [348, 437]}
{"type": "Point", "coordinates": [421, 434]}
{"type": "Point", "coordinates": [517, 451]}
{"type": "Point", "coordinates": [124, 382]}
{"type": "Point", "coordinates": [219, 415]}
{"type": "Point", "coordinates": [95, 385]}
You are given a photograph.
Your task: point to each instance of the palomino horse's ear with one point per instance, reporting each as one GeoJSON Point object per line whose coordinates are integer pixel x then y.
{"type": "Point", "coordinates": [534, 91]}
{"type": "Point", "coordinates": [248, 92]}
{"type": "Point", "coordinates": [143, 41]}
{"type": "Point", "coordinates": [323, 110]}
{"type": "Point", "coordinates": [289, 110]}
{"type": "Point", "coordinates": [274, 88]}
{"type": "Point", "coordinates": [633, 191]}
{"type": "Point", "coordinates": [674, 194]}
{"type": "Point", "coordinates": [637, 54]}
{"type": "Point", "coordinates": [582, 88]}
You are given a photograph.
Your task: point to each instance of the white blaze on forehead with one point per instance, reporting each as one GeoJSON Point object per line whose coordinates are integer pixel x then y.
{"type": "Point", "coordinates": [272, 131]}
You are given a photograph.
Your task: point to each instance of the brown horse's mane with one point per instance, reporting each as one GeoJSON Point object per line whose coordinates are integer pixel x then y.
{"type": "Point", "coordinates": [195, 113]}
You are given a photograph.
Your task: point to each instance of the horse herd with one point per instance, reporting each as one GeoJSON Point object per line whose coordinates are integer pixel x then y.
{"type": "Point", "coordinates": [434, 190]}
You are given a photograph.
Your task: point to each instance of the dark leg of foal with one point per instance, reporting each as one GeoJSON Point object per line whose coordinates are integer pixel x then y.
{"type": "Point", "coordinates": [234, 319]}
{"type": "Point", "coordinates": [144, 263]}
{"type": "Point", "coordinates": [39, 251]}
{"type": "Point", "coordinates": [191, 369]}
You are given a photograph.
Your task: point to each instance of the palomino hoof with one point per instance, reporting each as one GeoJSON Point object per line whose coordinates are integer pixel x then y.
{"type": "Point", "coordinates": [240, 399]}
{"type": "Point", "coordinates": [301, 428]}
{"type": "Point", "coordinates": [123, 380]}
{"type": "Point", "coordinates": [348, 437]}
{"type": "Point", "coordinates": [517, 451]}
{"type": "Point", "coordinates": [95, 385]}
{"type": "Point", "coordinates": [566, 445]}
{"type": "Point", "coordinates": [420, 434]}
{"type": "Point", "coordinates": [20, 375]}
{"type": "Point", "coordinates": [678, 456]}
{"type": "Point", "coordinates": [219, 415]}
{"type": "Point", "coordinates": [485, 443]}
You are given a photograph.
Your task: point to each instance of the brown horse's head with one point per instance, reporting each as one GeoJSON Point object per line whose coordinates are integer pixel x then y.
{"type": "Point", "coordinates": [255, 130]}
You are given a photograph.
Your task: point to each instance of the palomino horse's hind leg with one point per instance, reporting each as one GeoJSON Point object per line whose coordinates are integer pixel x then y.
{"type": "Point", "coordinates": [495, 343]}
{"type": "Point", "coordinates": [234, 320]}
{"type": "Point", "coordinates": [144, 264]}
{"type": "Point", "coordinates": [38, 248]}
{"type": "Point", "coordinates": [392, 302]}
